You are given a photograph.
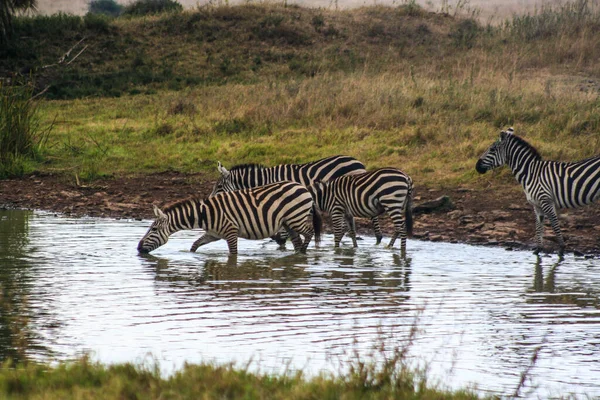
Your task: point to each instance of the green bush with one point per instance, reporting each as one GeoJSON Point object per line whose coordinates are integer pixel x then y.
{"type": "Point", "coordinates": [145, 7]}
{"type": "Point", "coordinates": [106, 7]}
{"type": "Point", "coordinates": [21, 135]}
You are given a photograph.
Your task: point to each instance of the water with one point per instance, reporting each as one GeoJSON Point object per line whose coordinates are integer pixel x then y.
{"type": "Point", "coordinates": [72, 285]}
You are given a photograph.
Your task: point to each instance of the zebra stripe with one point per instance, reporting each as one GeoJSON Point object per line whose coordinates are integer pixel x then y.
{"type": "Point", "coordinates": [367, 195]}
{"type": "Point", "coordinates": [254, 213]}
{"type": "Point", "coordinates": [252, 175]}
{"type": "Point", "coordinates": [548, 185]}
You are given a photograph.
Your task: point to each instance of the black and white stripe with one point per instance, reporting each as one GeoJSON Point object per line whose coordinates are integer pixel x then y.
{"type": "Point", "coordinates": [252, 175]}
{"type": "Point", "coordinates": [548, 185]}
{"type": "Point", "coordinates": [367, 195]}
{"type": "Point", "coordinates": [254, 213]}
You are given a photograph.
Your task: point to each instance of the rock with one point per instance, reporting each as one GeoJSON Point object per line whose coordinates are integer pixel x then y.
{"type": "Point", "coordinates": [441, 204]}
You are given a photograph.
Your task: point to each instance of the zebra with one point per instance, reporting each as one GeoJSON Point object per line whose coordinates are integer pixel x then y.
{"type": "Point", "coordinates": [548, 185]}
{"type": "Point", "coordinates": [367, 195]}
{"type": "Point", "coordinates": [254, 213]}
{"type": "Point", "coordinates": [252, 175]}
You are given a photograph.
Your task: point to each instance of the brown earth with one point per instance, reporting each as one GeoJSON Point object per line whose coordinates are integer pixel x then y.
{"type": "Point", "coordinates": [498, 216]}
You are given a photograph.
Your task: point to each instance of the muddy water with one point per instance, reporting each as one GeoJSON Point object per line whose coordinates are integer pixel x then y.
{"type": "Point", "coordinates": [70, 286]}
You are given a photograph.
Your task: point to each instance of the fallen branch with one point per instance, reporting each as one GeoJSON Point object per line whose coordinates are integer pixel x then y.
{"type": "Point", "coordinates": [66, 55]}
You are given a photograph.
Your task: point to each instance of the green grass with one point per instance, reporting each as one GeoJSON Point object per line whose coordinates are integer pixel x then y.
{"type": "Point", "coordinates": [84, 379]}
{"type": "Point", "coordinates": [266, 83]}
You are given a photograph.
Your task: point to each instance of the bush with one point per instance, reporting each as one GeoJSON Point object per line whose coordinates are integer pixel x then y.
{"type": "Point", "coordinates": [145, 7]}
{"type": "Point", "coordinates": [106, 7]}
{"type": "Point", "coordinates": [21, 136]}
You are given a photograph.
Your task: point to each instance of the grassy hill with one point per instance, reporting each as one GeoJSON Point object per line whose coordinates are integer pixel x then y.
{"type": "Point", "coordinates": [270, 83]}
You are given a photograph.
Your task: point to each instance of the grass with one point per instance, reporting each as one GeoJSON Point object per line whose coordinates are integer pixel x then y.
{"type": "Point", "coordinates": [269, 83]}
{"type": "Point", "coordinates": [84, 379]}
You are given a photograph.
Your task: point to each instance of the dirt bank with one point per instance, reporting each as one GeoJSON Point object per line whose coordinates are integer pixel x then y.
{"type": "Point", "coordinates": [495, 217]}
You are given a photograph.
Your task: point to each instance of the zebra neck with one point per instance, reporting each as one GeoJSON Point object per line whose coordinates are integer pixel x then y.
{"type": "Point", "coordinates": [186, 215]}
{"type": "Point", "coordinates": [524, 166]}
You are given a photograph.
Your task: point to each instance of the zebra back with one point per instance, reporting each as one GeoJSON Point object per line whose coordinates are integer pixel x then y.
{"type": "Point", "coordinates": [252, 175]}
{"type": "Point", "coordinates": [365, 195]}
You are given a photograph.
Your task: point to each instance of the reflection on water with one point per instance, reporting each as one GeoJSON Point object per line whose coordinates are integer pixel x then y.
{"type": "Point", "coordinates": [74, 285]}
{"type": "Point", "coordinates": [19, 315]}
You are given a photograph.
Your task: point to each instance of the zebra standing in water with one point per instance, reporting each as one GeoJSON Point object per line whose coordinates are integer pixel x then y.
{"type": "Point", "coordinates": [367, 195]}
{"type": "Point", "coordinates": [252, 175]}
{"type": "Point", "coordinates": [255, 213]}
{"type": "Point", "coordinates": [548, 185]}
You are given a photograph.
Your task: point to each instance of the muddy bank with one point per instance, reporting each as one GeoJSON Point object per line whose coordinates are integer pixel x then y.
{"type": "Point", "coordinates": [499, 216]}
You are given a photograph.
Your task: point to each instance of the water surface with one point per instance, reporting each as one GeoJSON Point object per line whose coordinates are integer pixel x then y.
{"type": "Point", "coordinates": [72, 285]}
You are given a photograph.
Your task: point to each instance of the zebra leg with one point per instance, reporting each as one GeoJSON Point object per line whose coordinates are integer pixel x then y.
{"type": "Point", "coordinates": [539, 229]}
{"type": "Point", "coordinates": [296, 240]}
{"type": "Point", "coordinates": [377, 229]}
{"type": "Point", "coordinates": [550, 212]}
{"type": "Point", "coordinates": [232, 241]}
{"type": "Point", "coordinates": [399, 228]}
{"type": "Point", "coordinates": [280, 238]}
{"type": "Point", "coordinates": [204, 239]}
{"type": "Point", "coordinates": [351, 228]}
{"type": "Point", "coordinates": [339, 225]}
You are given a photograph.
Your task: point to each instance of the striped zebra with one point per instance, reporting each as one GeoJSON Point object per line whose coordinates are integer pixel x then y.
{"type": "Point", "coordinates": [548, 185]}
{"type": "Point", "coordinates": [254, 213]}
{"type": "Point", "coordinates": [252, 175]}
{"type": "Point", "coordinates": [367, 195]}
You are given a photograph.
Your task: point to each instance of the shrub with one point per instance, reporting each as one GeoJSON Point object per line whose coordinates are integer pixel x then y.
{"type": "Point", "coordinates": [21, 135]}
{"type": "Point", "coordinates": [145, 7]}
{"type": "Point", "coordinates": [106, 7]}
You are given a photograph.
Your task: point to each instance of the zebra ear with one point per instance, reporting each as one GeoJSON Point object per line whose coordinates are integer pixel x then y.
{"type": "Point", "coordinates": [158, 212]}
{"type": "Point", "coordinates": [506, 133]}
{"type": "Point", "coordinates": [222, 169]}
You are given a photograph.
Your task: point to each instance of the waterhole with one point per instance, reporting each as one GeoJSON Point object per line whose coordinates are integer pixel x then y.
{"type": "Point", "coordinates": [474, 316]}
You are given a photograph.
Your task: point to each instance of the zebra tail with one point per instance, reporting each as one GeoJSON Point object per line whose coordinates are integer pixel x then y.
{"type": "Point", "coordinates": [408, 214]}
{"type": "Point", "coordinates": [317, 224]}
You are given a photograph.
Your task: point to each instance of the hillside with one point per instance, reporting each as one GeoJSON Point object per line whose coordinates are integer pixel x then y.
{"type": "Point", "coordinates": [270, 83]}
{"type": "Point", "coordinates": [251, 42]}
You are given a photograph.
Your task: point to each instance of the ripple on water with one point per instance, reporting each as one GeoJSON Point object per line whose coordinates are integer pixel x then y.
{"type": "Point", "coordinates": [481, 312]}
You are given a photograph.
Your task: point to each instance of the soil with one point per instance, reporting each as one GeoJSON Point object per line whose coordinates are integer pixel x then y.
{"type": "Point", "coordinates": [498, 216]}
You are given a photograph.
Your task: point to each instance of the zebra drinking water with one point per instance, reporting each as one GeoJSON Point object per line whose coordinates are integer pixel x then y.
{"type": "Point", "coordinates": [367, 195]}
{"type": "Point", "coordinates": [254, 213]}
{"type": "Point", "coordinates": [252, 175]}
{"type": "Point", "coordinates": [548, 185]}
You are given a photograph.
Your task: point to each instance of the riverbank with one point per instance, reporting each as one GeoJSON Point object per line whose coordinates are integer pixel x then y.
{"type": "Point", "coordinates": [496, 216]}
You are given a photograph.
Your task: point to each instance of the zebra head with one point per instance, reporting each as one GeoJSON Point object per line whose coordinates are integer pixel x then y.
{"type": "Point", "coordinates": [157, 235]}
{"type": "Point", "coordinates": [223, 183]}
{"type": "Point", "coordinates": [495, 155]}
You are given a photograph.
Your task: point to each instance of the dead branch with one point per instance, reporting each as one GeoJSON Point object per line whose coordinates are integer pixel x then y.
{"type": "Point", "coordinates": [66, 55]}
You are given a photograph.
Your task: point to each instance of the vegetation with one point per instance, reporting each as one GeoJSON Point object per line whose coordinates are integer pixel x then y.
{"type": "Point", "coordinates": [146, 7]}
{"type": "Point", "coordinates": [106, 7]}
{"type": "Point", "coordinates": [84, 379]}
{"type": "Point", "coordinates": [21, 133]}
{"type": "Point", "coordinates": [270, 83]}
{"type": "Point", "coordinates": [8, 8]}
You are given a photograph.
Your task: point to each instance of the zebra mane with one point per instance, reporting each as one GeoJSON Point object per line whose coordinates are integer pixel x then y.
{"type": "Point", "coordinates": [246, 167]}
{"type": "Point", "coordinates": [178, 203]}
{"type": "Point", "coordinates": [523, 143]}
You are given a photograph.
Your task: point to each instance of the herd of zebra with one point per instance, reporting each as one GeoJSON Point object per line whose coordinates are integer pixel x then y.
{"type": "Point", "coordinates": [255, 202]}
